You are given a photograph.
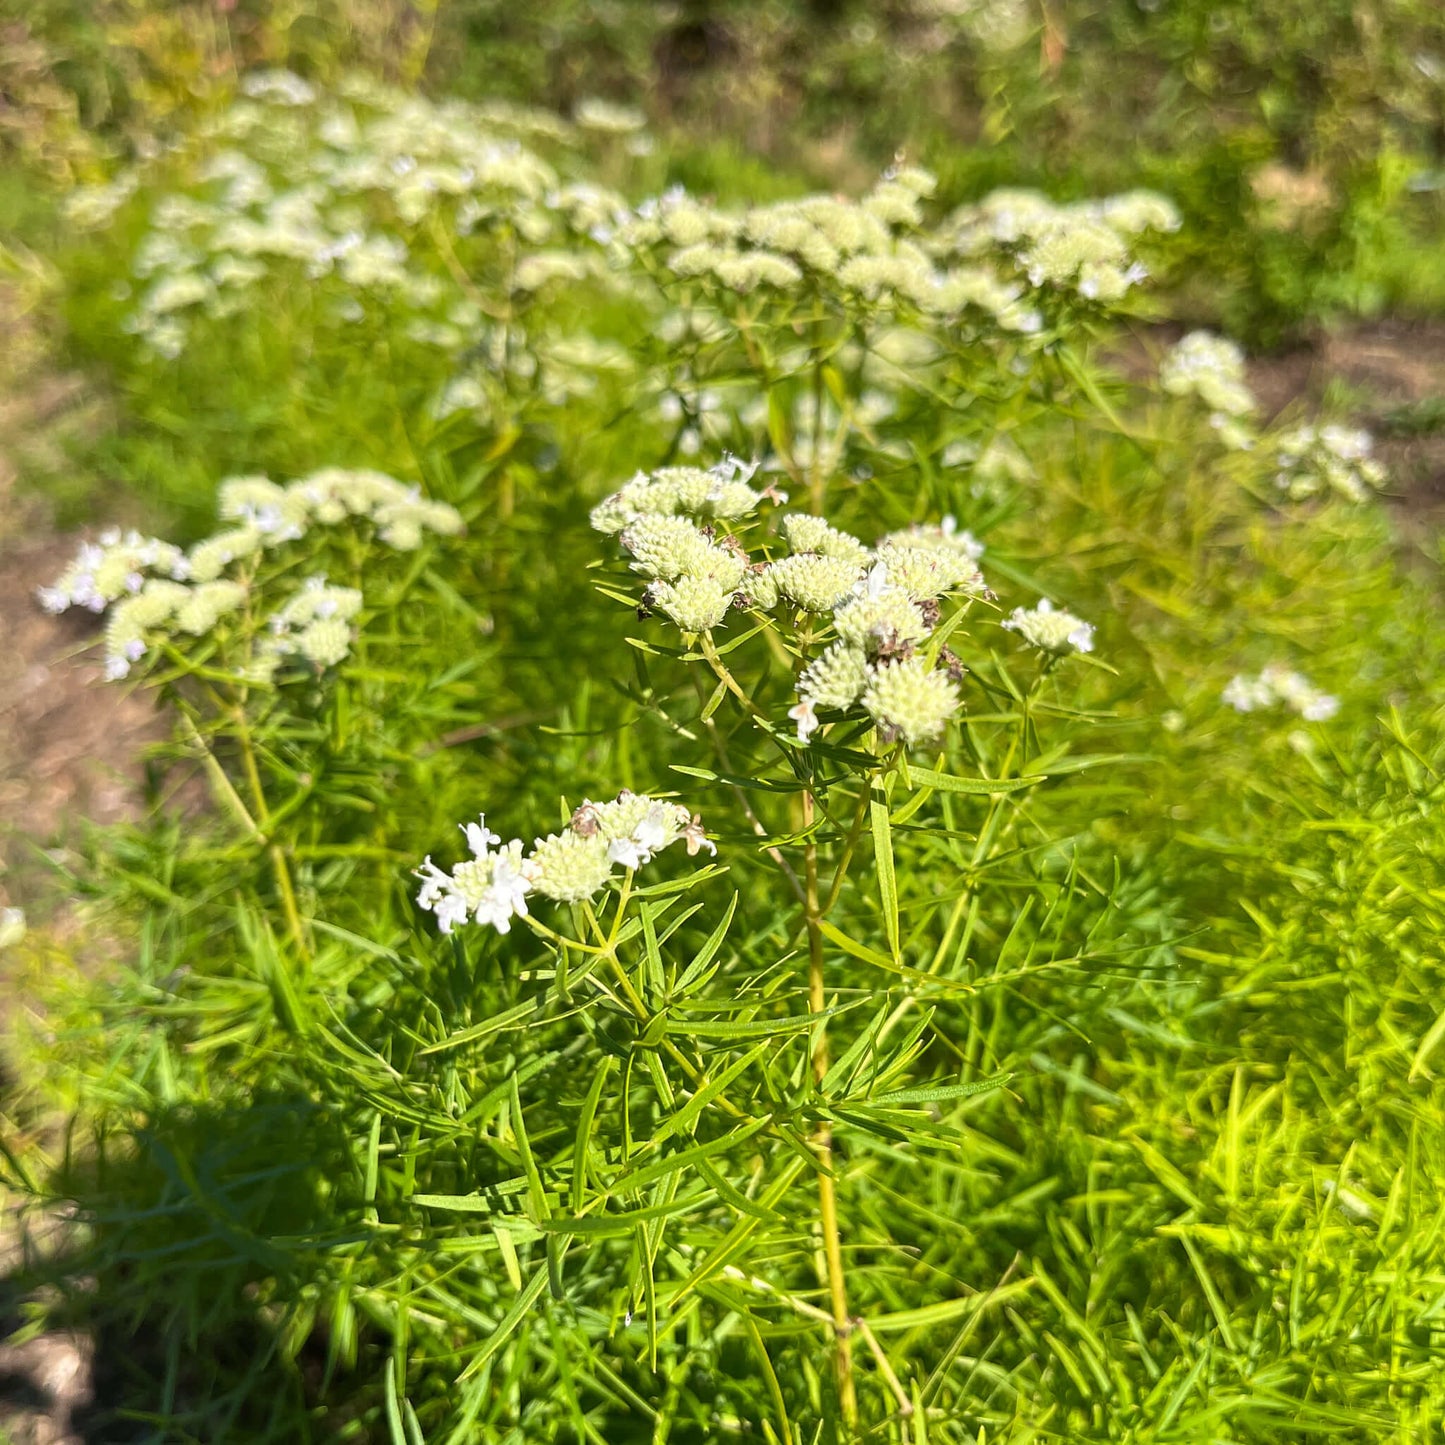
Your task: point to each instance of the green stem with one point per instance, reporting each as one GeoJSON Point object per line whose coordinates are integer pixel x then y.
{"type": "Point", "coordinates": [720, 747]}
{"type": "Point", "coordinates": [720, 669]}
{"type": "Point", "coordinates": [850, 842]}
{"type": "Point", "coordinates": [823, 1139]}
{"type": "Point", "coordinates": [279, 866]}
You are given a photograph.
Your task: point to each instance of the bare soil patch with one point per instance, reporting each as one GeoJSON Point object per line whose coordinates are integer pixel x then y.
{"type": "Point", "coordinates": [70, 748]}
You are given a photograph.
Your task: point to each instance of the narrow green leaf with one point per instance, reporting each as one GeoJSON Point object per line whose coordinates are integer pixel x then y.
{"type": "Point", "coordinates": [843, 1065]}
{"type": "Point", "coordinates": [483, 1203]}
{"type": "Point", "coordinates": [585, 1121]}
{"type": "Point", "coordinates": [736, 1197]}
{"type": "Point", "coordinates": [757, 1029]}
{"type": "Point", "coordinates": [708, 951]}
{"type": "Point", "coordinates": [851, 945]}
{"type": "Point", "coordinates": [394, 1426]}
{"type": "Point", "coordinates": [937, 1093]}
{"type": "Point", "coordinates": [714, 702]}
{"type": "Point", "coordinates": [512, 1017]}
{"type": "Point", "coordinates": [883, 862]}
{"type": "Point", "coordinates": [948, 783]}
{"type": "Point", "coordinates": [625, 1222]}
{"type": "Point", "coordinates": [734, 780]}
{"type": "Point", "coordinates": [1428, 1045]}
{"type": "Point", "coordinates": [946, 1310]}
{"type": "Point", "coordinates": [537, 1193]}
{"type": "Point", "coordinates": [685, 1158]}
{"type": "Point", "coordinates": [507, 1325]}
{"type": "Point", "coordinates": [373, 1160]}
{"type": "Point", "coordinates": [682, 1121]}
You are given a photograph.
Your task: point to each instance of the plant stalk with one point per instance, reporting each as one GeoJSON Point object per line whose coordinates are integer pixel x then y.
{"type": "Point", "coordinates": [279, 866]}
{"type": "Point", "coordinates": [823, 1139]}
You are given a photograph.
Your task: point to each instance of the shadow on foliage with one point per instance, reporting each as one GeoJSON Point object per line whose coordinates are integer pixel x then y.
{"type": "Point", "coordinates": [194, 1273]}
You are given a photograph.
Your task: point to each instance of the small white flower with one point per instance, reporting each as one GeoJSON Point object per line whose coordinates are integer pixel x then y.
{"type": "Point", "coordinates": [1246, 694]}
{"type": "Point", "coordinates": [648, 837]}
{"type": "Point", "coordinates": [1051, 630]}
{"type": "Point", "coordinates": [451, 909]}
{"type": "Point", "coordinates": [506, 897]}
{"type": "Point", "coordinates": [12, 926]}
{"type": "Point", "coordinates": [1276, 685]}
{"type": "Point", "coordinates": [806, 717]}
{"type": "Point", "coordinates": [489, 887]}
{"type": "Point", "coordinates": [479, 837]}
{"type": "Point", "coordinates": [696, 839]}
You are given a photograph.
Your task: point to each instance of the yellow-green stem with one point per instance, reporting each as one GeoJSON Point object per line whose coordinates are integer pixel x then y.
{"type": "Point", "coordinates": [823, 1138]}
{"type": "Point", "coordinates": [720, 670]}
{"type": "Point", "coordinates": [277, 855]}
{"type": "Point", "coordinates": [720, 747]}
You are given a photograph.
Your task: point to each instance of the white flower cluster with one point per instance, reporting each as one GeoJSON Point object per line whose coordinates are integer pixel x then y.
{"type": "Point", "coordinates": [12, 927]}
{"type": "Point", "coordinates": [883, 602]}
{"type": "Point", "coordinates": [492, 886]}
{"type": "Point", "coordinates": [1314, 459]}
{"type": "Point", "coordinates": [155, 591]}
{"type": "Point", "coordinates": [1212, 368]}
{"type": "Point", "coordinates": [344, 186]}
{"type": "Point", "coordinates": [314, 624]}
{"type": "Point", "coordinates": [885, 605]}
{"type": "Point", "coordinates": [1051, 630]}
{"type": "Point", "coordinates": [114, 566]}
{"type": "Point", "coordinates": [721, 492]}
{"type": "Point", "coordinates": [1081, 250]}
{"type": "Point", "coordinates": [1275, 686]}
{"type": "Point", "coordinates": [607, 118]}
{"type": "Point", "coordinates": [373, 196]}
{"type": "Point", "coordinates": [873, 252]}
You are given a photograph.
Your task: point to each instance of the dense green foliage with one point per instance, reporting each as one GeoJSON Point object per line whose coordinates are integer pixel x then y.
{"type": "Point", "coordinates": [1123, 1073]}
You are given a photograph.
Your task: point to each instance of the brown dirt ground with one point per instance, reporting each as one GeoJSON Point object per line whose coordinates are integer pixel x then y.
{"type": "Point", "coordinates": [70, 749]}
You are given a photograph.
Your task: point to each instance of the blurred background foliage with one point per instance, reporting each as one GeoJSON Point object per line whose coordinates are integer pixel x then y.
{"type": "Point", "coordinates": [1317, 128]}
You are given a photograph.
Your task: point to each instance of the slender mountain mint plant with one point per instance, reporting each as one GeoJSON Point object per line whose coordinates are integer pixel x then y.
{"type": "Point", "coordinates": [617, 1117]}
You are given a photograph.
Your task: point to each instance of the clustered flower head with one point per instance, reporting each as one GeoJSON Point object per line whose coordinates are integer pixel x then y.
{"type": "Point", "coordinates": [492, 886]}
{"type": "Point", "coordinates": [155, 592]}
{"type": "Point", "coordinates": [1314, 459]}
{"type": "Point", "coordinates": [720, 492]}
{"type": "Point", "coordinates": [875, 252]}
{"type": "Point", "coordinates": [1081, 250]}
{"type": "Point", "coordinates": [1276, 686]}
{"type": "Point", "coordinates": [342, 186]}
{"type": "Point", "coordinates": [882, 604]}
{"type": "Point", "coordinates": [1050, 629]}
{"type": "Point", "coordinates": [1211, 368]}
{"type": "Point", "coordinates": [315, 624]}
{"type": "Point", "coordinates": [114, 566]}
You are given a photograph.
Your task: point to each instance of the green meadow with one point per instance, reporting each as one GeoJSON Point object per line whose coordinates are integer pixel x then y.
{"type": "Point", "coordinates": [795, 785]}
